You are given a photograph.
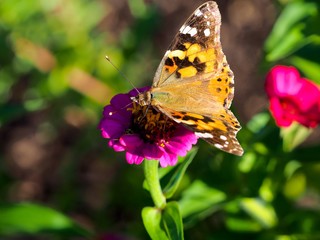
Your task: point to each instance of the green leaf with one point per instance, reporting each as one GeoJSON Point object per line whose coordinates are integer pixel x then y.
{"type": "Point", "coordinates": [32, 219]}
{"type": "Point", "coordinates": [260, 211]}
{"type": "Point", "coordinates": [286, 35]}
{"type": "Point", "coordinates": [247, 162]}
{"type": "Point", "coordinates": [177, 176]}
{"type": "Point", "coordinates": [309, 68]}
{"type": "Point", "coordinates": [258, 122]}
{"type": "Point", "coordinates": [295, 186]}
{"type": "Point", "coordinates": [151, 217]}
{"type": "Point", "coordinates": [167, 170]}
{"type": "Point", "coordinates": [265, 190]}
{"type": "Point", "coordinates": [293, 41]}
{"type": "Point", "coordinates": [172, 221]}
{"type": "Point", "coordinates": [242, 225]}
{"type": "Point", "coordinates": [293, 14]}
{"type": "Point", "coordinates": [199, 200]}
{"type": "Point", "coordinates": [294, 135]}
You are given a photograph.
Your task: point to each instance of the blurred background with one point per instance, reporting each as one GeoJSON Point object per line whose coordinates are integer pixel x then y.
{"type": "Point", "coordinates": [54, 83]}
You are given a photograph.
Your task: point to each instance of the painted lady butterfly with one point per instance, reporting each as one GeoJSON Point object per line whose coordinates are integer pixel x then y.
{"type": "Point", "coordinates": [194, 84]}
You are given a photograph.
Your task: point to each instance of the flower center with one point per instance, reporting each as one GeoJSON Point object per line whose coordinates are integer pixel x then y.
{"type": "Point", "coordinates": [289, 107]}
{"type": "Point", "coordinates": [152, 126]}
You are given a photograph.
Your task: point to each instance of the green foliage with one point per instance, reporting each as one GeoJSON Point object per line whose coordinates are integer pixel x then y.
{"type": "Point", "coordinates": [26, 218]}
{"type": "Point", "coordinates": [293, 136]}
{"type": "Point", "coordinates": [259, 210]}
{"type": "Point", "coordinates": [172, 221]}
{"type": "Point", "coordinates": [163, 224]}
{"type": "Point", "coordinates": [152, 220]}
{"type": "Point", "coordinates": [295, 38]}
{"type": "Point", "coordinates": [199, 201]}
{"type": "Point", "coordinates": [178, 174]}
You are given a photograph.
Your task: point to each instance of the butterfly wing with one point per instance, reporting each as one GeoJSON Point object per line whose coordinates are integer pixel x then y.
{"type": "Point", "coordinates": [194, 84]}
{"type": "Point", "coordinates": [196, 54]}
{"type": "Point", "coordinates": [219, 128]}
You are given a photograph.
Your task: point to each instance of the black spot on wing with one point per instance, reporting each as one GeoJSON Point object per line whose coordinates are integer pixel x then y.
{"type": "Point", "coordinates": [169, 62]}
{"type": "Point", "coordinates": [183, 63]}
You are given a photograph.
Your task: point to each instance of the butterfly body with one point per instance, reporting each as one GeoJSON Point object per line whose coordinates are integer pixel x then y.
{"type": "Point", "coordinates": [194, 84]}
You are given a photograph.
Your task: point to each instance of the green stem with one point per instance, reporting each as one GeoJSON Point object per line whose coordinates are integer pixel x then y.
{"type": "Point", "coordinates": [153, 181]}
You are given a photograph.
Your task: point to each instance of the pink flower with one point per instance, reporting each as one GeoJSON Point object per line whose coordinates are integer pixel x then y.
{"type": "Point", "coordinates": [143, 132]}
{"type": "Point", "coordinates": [292, 98]}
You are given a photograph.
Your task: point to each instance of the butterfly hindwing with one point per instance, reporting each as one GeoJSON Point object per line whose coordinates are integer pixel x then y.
{"type": "Point", "coordinates": [219, 129]}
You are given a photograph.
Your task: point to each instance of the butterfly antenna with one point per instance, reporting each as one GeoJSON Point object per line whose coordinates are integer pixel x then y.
{"type": "Point", "coordinates": [124, 107]}
{"type": "Point", "coordinates": [121, 73]}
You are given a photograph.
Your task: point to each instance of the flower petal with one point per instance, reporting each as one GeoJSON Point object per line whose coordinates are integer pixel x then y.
{"type": "Point", "coordinates": [282, 81]}
{"type": "Point", "coordinates": [120, 100]}
{"type": "Point", "coordinates": [133, 158]}
{"type": "Point", "coordinates": [176, 147]}
{"type": "Point", "coordinates": [168, 159]}
{"type": "Point", "coordinates": [309, 95]}
{"type": "Point", "coordinates": [116, 145]}
{"type": "Point", "coordinates": [131, 141]}
{"type": "Point", "coordinates": [111, 128]}
{"type": "Point", "coordinates": [134, 92]}
{"type": "Point", "coordinates": [152, 151]}
{"type": "Point", "coordinates": [292, 98]}
{"type": "Point", "coordinates": [282, 119]}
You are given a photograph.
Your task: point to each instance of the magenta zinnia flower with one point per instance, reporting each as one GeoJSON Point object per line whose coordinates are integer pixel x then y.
{"type": "Point", "coordinates": [143, 132]}
{"type": "Point", "coordinates": [292, 98]}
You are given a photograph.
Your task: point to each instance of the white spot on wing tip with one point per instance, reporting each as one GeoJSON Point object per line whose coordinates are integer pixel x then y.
{"type": "Point", "coordinates": [188, 30]}
{"type": "Point", "coordinates": [217, 145]}
{"type": "Point", "coordinates": [185, 29]}
{"type": "Point", "coordinates": [182, 27]}
{"type": "Point", "coordinates": [193, 32]}
{"type": "Point", "coordinates": [198, 13]}
{"type": "Point", "coordinates": [204, 135]}
{"type": "Point", "coordinates": [222, 137]}
{"type": "Point", "coordinates": [207, 32]}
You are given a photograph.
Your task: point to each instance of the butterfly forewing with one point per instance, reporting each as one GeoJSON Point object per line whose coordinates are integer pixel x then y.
{"type": "Point", "coordinates": [195, 50]}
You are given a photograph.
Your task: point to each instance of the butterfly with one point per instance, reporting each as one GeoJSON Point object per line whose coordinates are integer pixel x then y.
{"type": "Point", "coordinates": [194, 85]}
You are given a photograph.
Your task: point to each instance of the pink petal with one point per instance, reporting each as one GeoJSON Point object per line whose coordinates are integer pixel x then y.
{"type": "Point", "coordinates": [168, 159]}
{"type": "Point", "coordinates": [133, 158]}
{"type": "Point", "coordinates": [135, 92]}
{"type": "Point", "coordinates": [278, 113]}
{"type": "Point", "coordinates": [107, 109]}
{"type": "Point", "coordinates": [116, 145]}
{"type": "Point", "coordinates": [177, 148]}
{"type": "Point", "coordinates": [111, 128]}
{"type": "Point", "coordinates": [282, 81]}
{"type": "Point", "coordinates": [120, 100]}
{"type": "Point", "coordinates": [131, 141]}
{"type": "Point", "coordinates": [292, 98]}
{"type": "Point", "coordinates": [309, 95]}
{"type": "Point", "coordinates": [152, 151]}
